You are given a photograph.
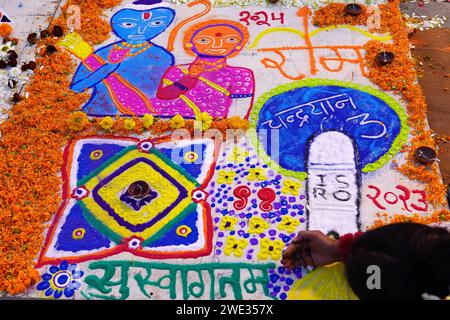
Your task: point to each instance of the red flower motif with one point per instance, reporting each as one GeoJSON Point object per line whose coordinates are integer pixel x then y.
{"type": "Point", "coordinates": [134, 243]}
{"type": "Point", "coordinates": [145, 146]}
{"type": "Point", "coordinates": [199, 195]}
{"type": "Point", "coordinates": [79, 193]}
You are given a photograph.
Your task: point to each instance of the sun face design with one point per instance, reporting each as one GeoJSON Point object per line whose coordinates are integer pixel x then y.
{"type": "Point", "coordinates": [217, 40]}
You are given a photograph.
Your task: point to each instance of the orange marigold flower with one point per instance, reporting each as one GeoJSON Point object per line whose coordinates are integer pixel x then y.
{"type": "Point", "coordinates": [5, 30]}
{"type": "Point", "coordinates": [238, 123]}
{"type": "Point", "coordinates": [334, 14]}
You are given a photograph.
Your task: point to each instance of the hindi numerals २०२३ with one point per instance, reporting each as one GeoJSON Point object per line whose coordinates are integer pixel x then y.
{"type": "Point", "coordinates": [415, 199]}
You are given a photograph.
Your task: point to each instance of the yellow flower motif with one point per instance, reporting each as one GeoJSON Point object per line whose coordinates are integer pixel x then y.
{"type": "Point", "coordinates": [238, 155]}
{"type": "Point", "coordinates": [107, 123]}
{"type": "Point", "coordinates": [96, 154]}
{"type": "Point", "coordinates": [177, 122]}
{"type": "Point", "coordinates": [272, 249]}
{"type": "Point", "coordinates": [227, 223]}
{"type": "Point", "coordinates": [78, 233]}
{"type": "Point", "coordinates": [147, 121]}
{"type": "Point", "coordinates": [256, 174]}
{"type": "Point", "coordinates": [226, 177]}
{"type": "Point", "coordinates": [291, 187]}
{"type": "Point", "coordinates": [235, 246]}
{"type": "Point", "coordinates": [288, 223]}
{"type": "Point", "coordinates": [78, 121]}
{"type": "Point", "coordinates": [191, 156]}
{"type": "Point", "coordinates": [183, 231]}
{"type": "Point", "coordinates": [257, 225]}
{"type": "Point", "coordinates": [129, 124]}
{"type": "Point", "coordinates": [204, 122]}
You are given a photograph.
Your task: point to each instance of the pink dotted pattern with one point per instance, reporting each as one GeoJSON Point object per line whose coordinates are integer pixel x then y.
{"type": "Point", "coordinates": [239, 82]}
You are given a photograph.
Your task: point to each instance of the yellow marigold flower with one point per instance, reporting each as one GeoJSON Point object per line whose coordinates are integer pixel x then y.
{"type": "Point", "coordinates": [236, 122]}
{"type": "Point", "coordinates": [226, 177]}
{"type": "Point", "coordinates": [272, 249]}
{"type": "Point", "coordinates": [288, 223]}
{"type": "Point", "coordinates": [291, 187]}
{"type": "Point", "coordinates": [205, 121]}
{"type": "Point", "coordinates": [147, 121]}
{"type": "Point", "coordinates": [238, 155]}
{"type": "Point", "coordinates": [256, 174]}
{"type": "Point", "coordinates": [107, 123]}
{"type": "Point", "coordinates": [129, 124]}
{"type": "Point", "coordinates": [78, 121]}
{"type": "Point", "coordinates": [257, 225]}
{"type": "Point", "coordinates": [177, 122]}
{"type": "Point", "coordinates": [235, 246]}
{"type": "Point", "coordinates": [227, 223]}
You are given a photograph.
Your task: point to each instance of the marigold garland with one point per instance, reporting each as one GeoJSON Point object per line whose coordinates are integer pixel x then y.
{"type": "Point", "coordinates": [401, 78]}
{"type": "Point", "coordinates": [30, 152]}
{"type": "Point", "coordinates": [159, 126]}
{"type": "Point", "coordinates": [334, 14]}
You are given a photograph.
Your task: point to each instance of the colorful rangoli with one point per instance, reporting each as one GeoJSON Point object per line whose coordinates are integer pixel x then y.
{"type": "Point", "coordinates": [174, 148]}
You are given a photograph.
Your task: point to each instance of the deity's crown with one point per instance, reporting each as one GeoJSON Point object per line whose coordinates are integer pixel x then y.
{"type": "Point", "coordinates": [147, 4]}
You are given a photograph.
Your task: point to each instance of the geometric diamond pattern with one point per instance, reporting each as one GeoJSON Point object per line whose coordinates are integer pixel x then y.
{"type": "Point", "coordinates": [94, 221]}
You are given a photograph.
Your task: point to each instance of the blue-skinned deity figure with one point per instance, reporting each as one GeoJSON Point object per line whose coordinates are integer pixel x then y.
{"type": "Point", "coordinates": [125, 74]}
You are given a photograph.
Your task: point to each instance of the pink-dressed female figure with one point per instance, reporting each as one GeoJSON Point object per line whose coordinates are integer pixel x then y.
{"type": "Point", "coordinates": [208, 84]}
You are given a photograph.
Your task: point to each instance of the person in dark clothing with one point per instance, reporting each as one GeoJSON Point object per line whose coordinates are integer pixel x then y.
{"type": "Point", "coordinates": [413, 259]}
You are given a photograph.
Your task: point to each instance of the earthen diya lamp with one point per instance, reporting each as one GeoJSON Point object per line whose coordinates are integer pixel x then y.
{"type": "Point", "coordinates": [425, 155]}
{"type": "Point", "coordinates": [16, 97]}
{"type": "Point", "coordinates": [385, 57]}
{"type": "Point", "coordinates": [32, 38]}
{"type": "Point", "coordinates": [50, 49]}
{"type": "Point", "coordinates": [139, 189]}
{"type": "Point", "coordinates": [353, 9]}
{"type": "Point", "coordinates": [58, 31]}
{"type": "Point", "coordinates": [45, 34]}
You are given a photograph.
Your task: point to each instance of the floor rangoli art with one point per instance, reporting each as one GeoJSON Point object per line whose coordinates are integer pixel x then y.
{"type": "Point", "coordinates": [189, 141]}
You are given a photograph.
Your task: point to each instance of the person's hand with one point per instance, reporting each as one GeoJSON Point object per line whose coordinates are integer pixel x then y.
{"type": "Point", "coordinates": [310, 248]}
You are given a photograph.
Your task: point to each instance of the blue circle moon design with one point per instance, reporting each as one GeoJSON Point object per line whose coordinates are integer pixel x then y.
{"type": "Point", "coordinates": [291, 118]}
